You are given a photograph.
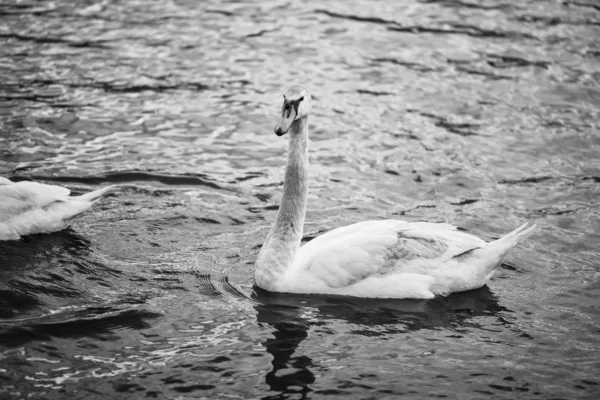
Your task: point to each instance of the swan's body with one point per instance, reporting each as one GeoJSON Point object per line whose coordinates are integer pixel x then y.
{"type": "Point", "coordinates": [29, 207]}
{"type": "Point", "coordinates": [388, 259]}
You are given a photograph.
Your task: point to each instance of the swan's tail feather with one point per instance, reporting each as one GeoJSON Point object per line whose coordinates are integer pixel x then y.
{"type": "Point", "coordinates": [67, 210]}
{"type": "Point", "coordinates": [515, 236]}
{"type": "Point", "coordinates": [496, 251]}
{"type": "Point", "coordinates": [94, 196]}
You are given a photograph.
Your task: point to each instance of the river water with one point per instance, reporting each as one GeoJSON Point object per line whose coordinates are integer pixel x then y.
{"type": "Point", "coordinates": [483, 114]}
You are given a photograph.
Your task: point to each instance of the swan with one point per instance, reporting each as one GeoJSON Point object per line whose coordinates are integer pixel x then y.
{"type": "Point", "coordinates": [377, 259]}
{"type": "Point", "coordinates": [30, 207]}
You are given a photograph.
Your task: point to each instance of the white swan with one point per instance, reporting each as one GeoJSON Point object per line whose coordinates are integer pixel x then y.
{"type": "Point", "coordinates": [30, 207]}
{"type": "Point", "coordinates": [386, 259]}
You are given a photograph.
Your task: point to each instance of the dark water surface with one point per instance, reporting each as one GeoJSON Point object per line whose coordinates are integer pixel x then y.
{"type": "Point", "coordinates": [480, 113]}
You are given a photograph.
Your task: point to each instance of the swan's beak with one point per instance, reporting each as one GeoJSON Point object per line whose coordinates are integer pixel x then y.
{"type": "Point", "coordinates": [285, 122]}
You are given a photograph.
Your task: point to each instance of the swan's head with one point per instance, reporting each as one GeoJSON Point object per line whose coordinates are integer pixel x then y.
{"type": "Point", "coordinates": [296, 105]}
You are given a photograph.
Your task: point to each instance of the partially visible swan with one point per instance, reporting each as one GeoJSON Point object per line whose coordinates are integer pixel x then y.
{"type": "Point", "coordinates": [30, 207]}
{"type": "Point", "coordinates": [386, 259]}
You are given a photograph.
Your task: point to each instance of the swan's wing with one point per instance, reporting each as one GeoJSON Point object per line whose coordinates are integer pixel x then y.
{"type": "Point", "coordinates": [21, 197]}
{"type": "Point", "coordinates": [347, 255]}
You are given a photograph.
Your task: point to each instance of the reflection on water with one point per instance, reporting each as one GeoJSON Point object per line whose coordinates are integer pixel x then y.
{"type": "Point", "coordinates": [481, 114]}
{"type": "Point", "coordinates": [407, 315]}
{"type": "Point", "coordinates": [289, 371]}
{"type": "Point", "coordinates": [291, 317]}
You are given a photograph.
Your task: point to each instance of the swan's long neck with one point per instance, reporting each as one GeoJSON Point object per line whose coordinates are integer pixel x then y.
{"type": "Point", "coordinates": [282, 243]}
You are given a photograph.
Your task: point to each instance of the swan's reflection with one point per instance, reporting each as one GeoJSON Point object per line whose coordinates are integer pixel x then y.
{"type": "Point", "coordinates": [290, 373]}
{"type": "Point", "coordinates": [286, 314]}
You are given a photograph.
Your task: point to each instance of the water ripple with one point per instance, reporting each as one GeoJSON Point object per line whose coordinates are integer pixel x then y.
{"type": "Point", "coordinates": [481, 114]}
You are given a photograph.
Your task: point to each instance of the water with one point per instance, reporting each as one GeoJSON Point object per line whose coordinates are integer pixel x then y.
{"type": "Point", "coordinates": [481, 114]}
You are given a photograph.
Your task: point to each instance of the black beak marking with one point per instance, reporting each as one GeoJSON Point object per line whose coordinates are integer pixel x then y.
{"type": "Point", "coordinates": [288, 104]}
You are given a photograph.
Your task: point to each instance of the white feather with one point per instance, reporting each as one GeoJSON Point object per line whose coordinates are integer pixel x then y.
{"type": "Point", "coordinates": [30, 207]}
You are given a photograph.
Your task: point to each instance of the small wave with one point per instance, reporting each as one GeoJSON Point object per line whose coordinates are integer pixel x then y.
{"type": "Point", "coordinates": [206, 286]}
{"type": "Point", "coordinates": [232, 290]}
{"type": "Point", "coordinates": [118, 177]}
{"type": "Point", "coordinates": [97, 322]}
